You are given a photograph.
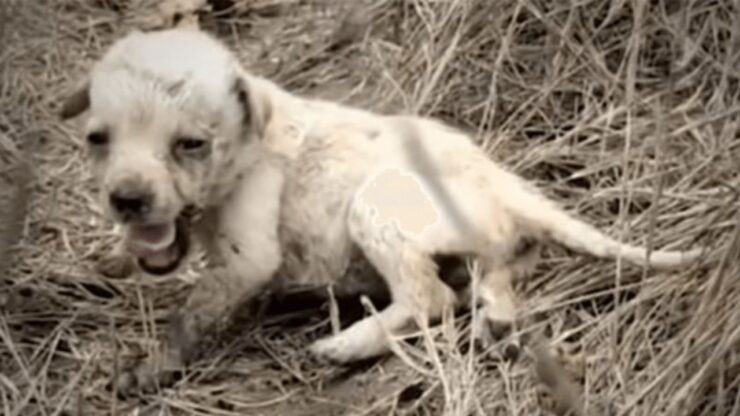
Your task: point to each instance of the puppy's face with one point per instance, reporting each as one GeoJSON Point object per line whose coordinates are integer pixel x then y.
{"type": "Point", "coordinates": [170, 115]}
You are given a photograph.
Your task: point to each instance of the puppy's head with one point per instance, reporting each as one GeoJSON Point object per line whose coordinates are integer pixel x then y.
{"type": "Point", "coordinates": [172, 121]}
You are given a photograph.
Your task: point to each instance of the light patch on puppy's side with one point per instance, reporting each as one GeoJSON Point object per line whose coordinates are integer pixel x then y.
{"type": "Point", "coordinates": [399, 197]}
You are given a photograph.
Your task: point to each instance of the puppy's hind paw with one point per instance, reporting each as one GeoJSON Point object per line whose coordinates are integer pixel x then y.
{"type": "Point", "coordinates": [332, 349]}
{"type": "Point", "coordinates": [498, 336]}
{"type": "Point", "coordinates": [342, 348]}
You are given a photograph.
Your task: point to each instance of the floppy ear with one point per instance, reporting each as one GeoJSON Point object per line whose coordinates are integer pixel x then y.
{"type": "Point", "coordinates": [77, 102]}
{"type": "Point", "coordinates": [255, 104]}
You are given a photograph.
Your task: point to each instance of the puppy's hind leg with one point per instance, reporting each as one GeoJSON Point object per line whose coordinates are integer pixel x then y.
{"type": "Point", "coordinates": [498, 313]}
{"type": "Point", "coordinates": [498, 299]}
{"type": "Point", "coordinates": [416, 291]}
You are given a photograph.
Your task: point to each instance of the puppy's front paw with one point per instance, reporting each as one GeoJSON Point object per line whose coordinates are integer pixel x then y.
{"type": "Point", "coordinates": [165, 367]}
{"type": "Point", "coordinates": [157, 371]}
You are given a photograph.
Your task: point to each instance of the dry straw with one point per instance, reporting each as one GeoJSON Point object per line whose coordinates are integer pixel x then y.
{"type": "Point", "coordinates": [626, 112]}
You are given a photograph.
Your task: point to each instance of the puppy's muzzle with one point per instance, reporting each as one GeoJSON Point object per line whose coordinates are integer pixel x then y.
{"type": "Point", "coordinates": [156, 237]}
{"type": "Point", "coordinates": [131, 201]}
{"type": "Point", "coordinates": [131, 205]}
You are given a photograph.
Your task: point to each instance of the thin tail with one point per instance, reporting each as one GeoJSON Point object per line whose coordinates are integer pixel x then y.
{"type": "Point", "coordinates": [543, 216]}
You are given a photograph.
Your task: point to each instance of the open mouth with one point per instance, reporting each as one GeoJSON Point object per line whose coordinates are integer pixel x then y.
{"type": "Point", "coordinates": [159, 248]}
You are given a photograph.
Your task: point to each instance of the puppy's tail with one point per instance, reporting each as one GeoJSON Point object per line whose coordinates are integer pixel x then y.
{"type": "Point", "coordinates": [543, 216]}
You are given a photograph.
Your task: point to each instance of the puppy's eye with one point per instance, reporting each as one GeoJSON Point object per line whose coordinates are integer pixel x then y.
{"type": "Point", "coordinates": [98, 138]}
{"type": "Point", "coordinates": [191, 145]}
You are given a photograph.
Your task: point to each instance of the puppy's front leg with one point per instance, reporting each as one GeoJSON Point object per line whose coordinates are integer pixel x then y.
{"type": "Point", "coordinates": [245, 254]}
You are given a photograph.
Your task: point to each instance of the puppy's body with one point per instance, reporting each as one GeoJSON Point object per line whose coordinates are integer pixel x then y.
{"type": "Point", "coordinates": [294, 190]}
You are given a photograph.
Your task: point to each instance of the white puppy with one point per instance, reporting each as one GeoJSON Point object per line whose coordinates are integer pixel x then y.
{"type": "Point", "coordinates": [293, 189]}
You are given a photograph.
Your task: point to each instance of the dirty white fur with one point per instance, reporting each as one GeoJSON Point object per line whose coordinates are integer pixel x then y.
{"type": "Point", "coordinates": [287, 189]}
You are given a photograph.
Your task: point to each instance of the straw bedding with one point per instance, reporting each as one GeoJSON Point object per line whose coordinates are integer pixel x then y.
{"type": "Point", "coordinates": [626, 112]}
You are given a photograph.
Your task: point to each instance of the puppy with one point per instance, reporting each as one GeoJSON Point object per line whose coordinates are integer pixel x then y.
{"type": "Point", "coordinates": [290, 190]}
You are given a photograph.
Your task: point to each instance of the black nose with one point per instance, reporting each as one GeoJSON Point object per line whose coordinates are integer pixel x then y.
{"type": "Point", "coordinates": [131, 203]}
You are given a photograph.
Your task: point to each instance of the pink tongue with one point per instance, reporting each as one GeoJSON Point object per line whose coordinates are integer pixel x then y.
{"type": "Point", "coordinates": [143, 235]}
{"type": "Point", "coordinates": [161, 258]}
{"type": "Point", "coordinates": [150, 233]}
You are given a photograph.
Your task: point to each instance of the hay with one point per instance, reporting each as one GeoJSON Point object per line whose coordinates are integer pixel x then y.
{"type": "Point", "coordinates": [626, 112]}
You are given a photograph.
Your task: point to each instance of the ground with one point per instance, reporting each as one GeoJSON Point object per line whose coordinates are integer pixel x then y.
{"type": "Point", "coordinates": [625, 112]}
